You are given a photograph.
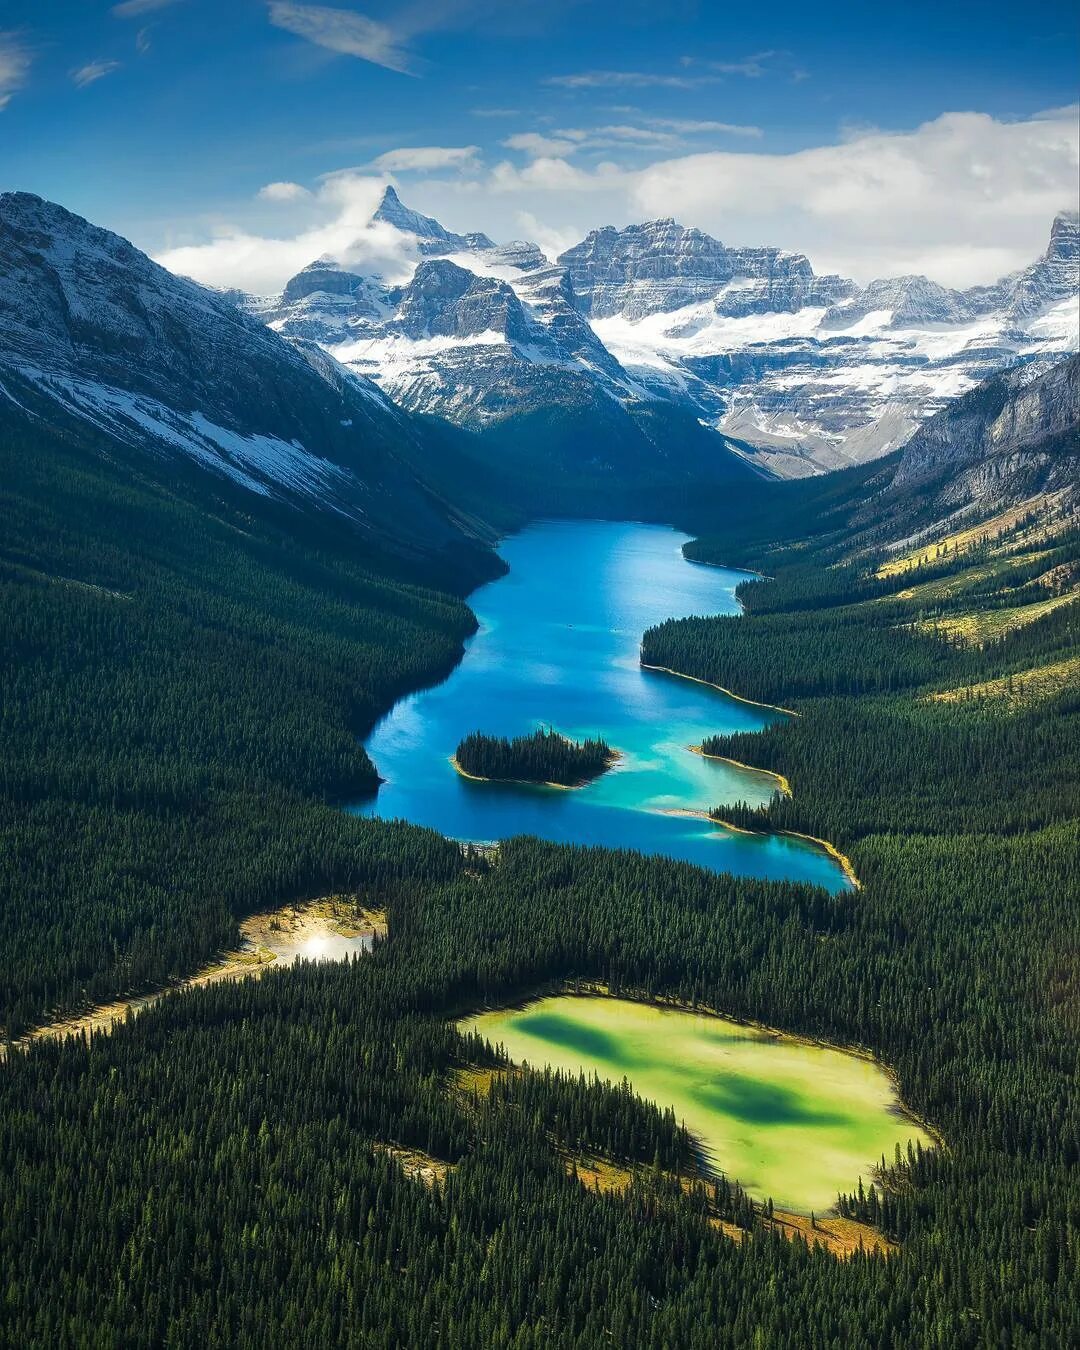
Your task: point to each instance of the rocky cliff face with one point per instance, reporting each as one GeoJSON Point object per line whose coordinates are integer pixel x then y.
{"type": "Point", "coordinates": [1016, 432]}
{"type": "Point", "coordinates": [662, 266]}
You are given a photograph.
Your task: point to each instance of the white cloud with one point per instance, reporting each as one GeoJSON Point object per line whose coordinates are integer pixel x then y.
{"type": "Point", "coordinates": [143, 41]}
{"type": "Point", "coordinates": [532, 143]}
{"type": "Point", "coordinates": [262, 264]}
{"type": "Point", "coordinates": [425, 157]}
{"type": "Point", "coordinates": [344, 31]}
{"type": "Point", "coordinates": [15, 59]}
{"type": "Point", "coordinates": [751, 66]}
{"type": "Point", "coordinates": [549, 175]}
{"type": "Point", "coordinates": [283, 192]}
{"type": "Point", "coordinates": [622, 134]}
{"type": "Point", "coordinates": [552, 242]}
{"type": "Point", "coordinates": [628, 79]}
{"type": "Point", "coordinates": [962, 198]}
{"type": "Point", "coordinates": [132, 9]}
{"type": "Point", "coordinates": [651, 133]}
{"type": "Point", "coordinates": [92, 72]}
{"type": "Point", "coordinates": [688, 127]}
{"type": "Point", "coordinates": [955, 198]}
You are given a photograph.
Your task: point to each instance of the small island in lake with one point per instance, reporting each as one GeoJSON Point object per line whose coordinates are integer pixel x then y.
{"type": "Point", "coordinates": [545, 758]}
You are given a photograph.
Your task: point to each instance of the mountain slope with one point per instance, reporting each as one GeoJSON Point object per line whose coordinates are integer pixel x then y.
{"type": "Point", "coordinates": [1026, 419]}
{"type": "Point", "coordinates": [93, 333]}
{"type": "Point", "coordinates": [1010, 445]}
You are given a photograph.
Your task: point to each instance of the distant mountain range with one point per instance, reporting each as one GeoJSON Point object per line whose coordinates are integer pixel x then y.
{"type": "Point", "coordinates": [798, 373]}
{"type": "Point", "coordinates": [101, 345]}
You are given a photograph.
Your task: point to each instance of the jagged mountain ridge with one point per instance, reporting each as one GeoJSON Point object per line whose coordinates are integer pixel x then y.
{"type": "Point", "coordinates": [492, 338]}
{"type": "Point", "coordinates": [801, 372]}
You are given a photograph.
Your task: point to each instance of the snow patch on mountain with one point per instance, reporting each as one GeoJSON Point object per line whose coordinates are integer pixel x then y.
{"type": "Point", "coordinates": [257, 462]}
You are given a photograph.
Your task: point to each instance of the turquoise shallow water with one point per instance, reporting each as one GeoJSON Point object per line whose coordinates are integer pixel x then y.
{"type": "Point", "coordinates": [558, 644]}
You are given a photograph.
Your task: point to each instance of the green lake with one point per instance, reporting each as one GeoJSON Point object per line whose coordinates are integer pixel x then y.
{"type": "Point", "coordinates": [795, 1121]}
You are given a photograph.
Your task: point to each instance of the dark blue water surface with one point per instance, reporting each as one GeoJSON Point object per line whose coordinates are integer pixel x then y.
{"type": "Point", "coordinates": [558, 645]}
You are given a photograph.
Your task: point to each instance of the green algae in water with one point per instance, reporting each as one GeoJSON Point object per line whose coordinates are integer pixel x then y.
{"type": "Point", "coordinates": [797, 1122]}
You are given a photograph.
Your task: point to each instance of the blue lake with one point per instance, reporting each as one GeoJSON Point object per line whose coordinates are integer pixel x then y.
{"type": "Point", "coordinates": [558, 645]}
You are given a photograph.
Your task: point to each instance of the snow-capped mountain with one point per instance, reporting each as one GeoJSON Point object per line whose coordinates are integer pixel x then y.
{"type": "Point", "coordinates": [813, 380]}
{"type": "Point", "coordinates": [431, 239]}
{"type": "Point", "coordinates": [493, 338]}
{"type": "Point", "coordinates": [94, 335]}
{"type": "Point", "coordinates": [479, 333]}
{"type": "Point", "coordinates": [798, 372]}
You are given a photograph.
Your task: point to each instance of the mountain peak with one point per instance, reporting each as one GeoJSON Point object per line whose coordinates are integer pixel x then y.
{"type": "Point", "coordinates": [432, 237]}
{"type": "Point", "coordinates": [1064, 236]}
{"type": "Point", "coordinates": [393, 211]}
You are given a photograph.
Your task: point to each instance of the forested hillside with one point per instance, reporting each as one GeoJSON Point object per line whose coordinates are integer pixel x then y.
{"type": "Point", "coordinates": [185, 671]}
{"type": "Point", "coordinates": [216, 1171]}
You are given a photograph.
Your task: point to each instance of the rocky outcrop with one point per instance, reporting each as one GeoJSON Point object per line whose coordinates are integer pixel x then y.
{"type": "Point", "coordinates": [445, 300]}
{"type": "Point", "coordinates": [1016, 432]}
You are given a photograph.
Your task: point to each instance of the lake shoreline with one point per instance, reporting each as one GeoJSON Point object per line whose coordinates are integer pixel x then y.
{"type": "Point", "coordinates": [841, 859]}
{"type": "Point", "coordinates": [739, 698]}
{"type": "Point", "coordinates": [783, 784]}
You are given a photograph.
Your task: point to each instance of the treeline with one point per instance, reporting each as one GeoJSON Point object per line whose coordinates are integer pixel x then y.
{"type": "Point", "coordinates": [543, 757]}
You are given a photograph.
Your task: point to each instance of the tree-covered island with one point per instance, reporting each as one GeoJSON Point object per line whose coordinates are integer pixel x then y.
{"type": "Point", "coordinates": [544, 757]}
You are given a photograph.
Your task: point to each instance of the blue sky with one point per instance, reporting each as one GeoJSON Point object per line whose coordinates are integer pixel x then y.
{"type": "Point", "coordinates": [168, 119]}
